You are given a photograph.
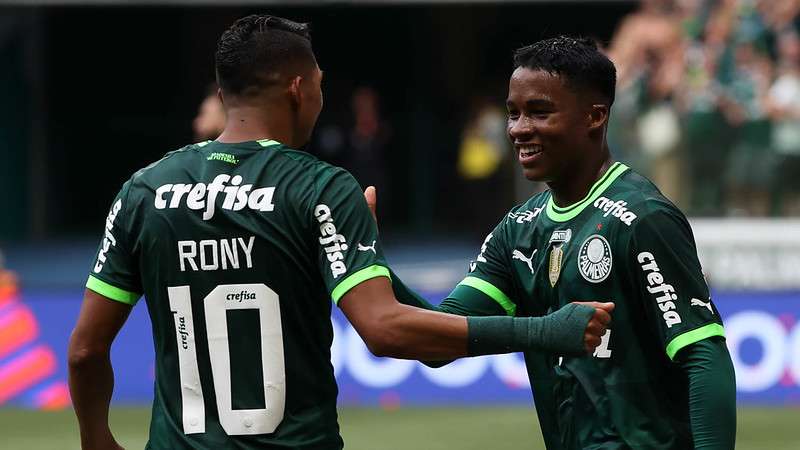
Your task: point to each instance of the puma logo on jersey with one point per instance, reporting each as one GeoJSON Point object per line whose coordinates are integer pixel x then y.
{"type": "Point", "coordinates": [656, 285]}
{"type": "Point", "coordinates": [698, 302]}
{"type": "Point", "coordinates": [203, 196]}
{"type": "Point", "coordinates": [615, 208]}
{"type": "Point", "coordinates": [108, 239]}
{"type": "Point", "coordinates": [334, 244]}
{"type": "Point", "coordinates": [520, 256]}
{"type": "Point", "coordinates": [365, 248]}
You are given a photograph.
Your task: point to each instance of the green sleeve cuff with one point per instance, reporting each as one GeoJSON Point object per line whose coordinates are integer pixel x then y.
{"type": "Point", "coordinates": [492, 292]}
{"type": "Point", "coordinates": [112, 292]}
{"type": "Point", "coordinates": [356, 278]}
{"type": "Point", "coordinates": [690, 337]}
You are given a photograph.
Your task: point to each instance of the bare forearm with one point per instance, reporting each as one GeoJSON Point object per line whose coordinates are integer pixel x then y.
{"type": "Point", "coordinates": [413, 333]}
{"type": "Point", "coordinates": [91, 383]}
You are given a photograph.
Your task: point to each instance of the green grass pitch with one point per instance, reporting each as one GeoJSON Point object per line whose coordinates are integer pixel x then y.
{"type": "Point", "coordinates": [497, 428]}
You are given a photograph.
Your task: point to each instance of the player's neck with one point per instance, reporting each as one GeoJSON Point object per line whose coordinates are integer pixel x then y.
{"type": "Point", "coordinates": [576, 185]}
{"type": "Point", "coordinates": [246, 123]}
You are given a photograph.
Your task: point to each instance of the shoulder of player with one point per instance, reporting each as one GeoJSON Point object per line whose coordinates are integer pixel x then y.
{"type": "Point", "coordinates": [325, 174]}
{"type": "Point", "coordinates": [167, 159]}
{"type": "Point", "coordinates": [636, 199]}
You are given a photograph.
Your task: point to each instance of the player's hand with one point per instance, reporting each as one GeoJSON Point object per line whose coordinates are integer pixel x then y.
{"type": "Point", "coordinates": [371, 195]}
{"type": "Point", "coordinates": [597, 325]}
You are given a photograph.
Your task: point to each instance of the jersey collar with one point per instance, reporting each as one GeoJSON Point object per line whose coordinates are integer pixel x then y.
{"type": "Point", "coordinates": [262, 142]}
{"type": "Point", "coordinates": [559, 214]}
{"type": "Point", "coordinates": [268, 142]}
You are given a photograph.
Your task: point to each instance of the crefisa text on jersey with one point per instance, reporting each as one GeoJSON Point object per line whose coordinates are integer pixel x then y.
{"type": "Point", "coordinates": [336, 243]}
{"type": "Point", "coordinates": [241, 296]}
{"type": "Point", "coordinates": [108, 238]}
{"type": "Point", "coordinates": [201, 196]}
{"type": "Point", "coordinates": [656, 285]}
{"type": "Point", "coordinates": [616, 209]}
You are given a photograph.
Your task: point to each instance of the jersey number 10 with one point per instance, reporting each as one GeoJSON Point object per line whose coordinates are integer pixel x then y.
{"type": "Point", "coordinates": [216, 303]}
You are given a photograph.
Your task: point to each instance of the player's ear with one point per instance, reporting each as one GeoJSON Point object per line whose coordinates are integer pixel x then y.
{"type": "Point", "coordinates": [295, 91]}
{"type": "Point", "coordinates": [220, 96]}
{"type": "Point", "coordinates": [598, 116]}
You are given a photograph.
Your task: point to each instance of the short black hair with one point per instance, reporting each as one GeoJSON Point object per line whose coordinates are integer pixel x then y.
{"type": "Point", "coordinates": [254, 51]}
{"type": "Point", "coordinates": [577, 60]}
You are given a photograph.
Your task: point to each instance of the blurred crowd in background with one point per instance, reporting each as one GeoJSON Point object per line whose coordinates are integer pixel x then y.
{"type": "Point", "coordinates": [708, 106]}
{"type": "Point", "coordinates": [708, 103]}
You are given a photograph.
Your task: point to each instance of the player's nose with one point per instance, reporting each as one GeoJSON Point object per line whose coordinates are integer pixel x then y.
{"type": "Point", "coordinates": [520, 130]}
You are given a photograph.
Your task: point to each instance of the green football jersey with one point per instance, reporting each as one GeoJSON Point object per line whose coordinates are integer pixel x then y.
{"type": "Point", "coordinates": [238, 250]}
{"type": "Point", "coordinates": [626, 243]}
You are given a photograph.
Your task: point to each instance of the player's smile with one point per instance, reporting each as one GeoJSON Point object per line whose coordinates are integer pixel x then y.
{"type": "Point", "coordinates": [528, 154]}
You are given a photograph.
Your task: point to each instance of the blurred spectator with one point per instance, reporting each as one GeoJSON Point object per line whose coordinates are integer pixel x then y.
{"type": "Point", "coordinates": [784, 109]}
{"type": "Point", "coordinates": [483, 143]}
{"type": "Point", "coordinates": [484, 168]}
{"type": "Point", "coordinates": [744, 105]}
{"type": "Point", "coordinates": [368, 139]}
{"type": "Point", "coordinates": [210, 119]}
{"type": "Point", "coordinates": [362, 148]}
{"type": "Point", "coordinates": [647, 50]}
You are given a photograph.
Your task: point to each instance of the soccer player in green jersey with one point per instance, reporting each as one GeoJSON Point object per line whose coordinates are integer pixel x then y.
{"type": "Point", "coordinates": [662, 377]}
{"type": "Point", "coordinates": [238, 246]}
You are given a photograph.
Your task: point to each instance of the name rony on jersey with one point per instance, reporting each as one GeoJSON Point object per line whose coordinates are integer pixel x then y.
{"type": "Point", "coordinates": [203, 196]}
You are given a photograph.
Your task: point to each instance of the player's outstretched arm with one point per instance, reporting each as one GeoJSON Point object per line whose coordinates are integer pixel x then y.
{"type": "Point", "coordinates": [401, 331]}
{"type": "Point", "coordinates": [91, 378]}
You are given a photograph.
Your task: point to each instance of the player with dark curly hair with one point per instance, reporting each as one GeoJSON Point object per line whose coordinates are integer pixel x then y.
{"type": "Point", "coordinates": [662, 378]}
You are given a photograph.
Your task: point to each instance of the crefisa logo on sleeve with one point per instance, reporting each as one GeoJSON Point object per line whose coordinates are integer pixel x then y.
{"type": "Point", "coordinates": [108, 239]}
{"type": "Point", "coordinates": [333, 243]}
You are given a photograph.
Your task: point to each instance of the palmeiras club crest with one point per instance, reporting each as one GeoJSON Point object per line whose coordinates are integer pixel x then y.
{"type": "Point", "coordinates": [594, 259]}
{"type": "Point", "coordinates": [557, 242]}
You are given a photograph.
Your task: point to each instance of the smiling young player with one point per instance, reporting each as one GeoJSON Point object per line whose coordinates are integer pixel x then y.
{"type": "Point", "coordinates": [662, 377]}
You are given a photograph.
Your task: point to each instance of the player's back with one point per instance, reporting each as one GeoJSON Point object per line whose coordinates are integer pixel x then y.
{"type": "Point", "coordinates": [236, 250]}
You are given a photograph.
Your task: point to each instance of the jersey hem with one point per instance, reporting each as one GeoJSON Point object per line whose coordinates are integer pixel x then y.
{"type": "Point", "coordinates": [357, 278]}
{"type": "Point", "coordinates": [492, 292]}
{"type": "Point", "coordinates": [690, 337]}
{"type": "Point", "coordinates": [114, 293]}
{"type": "Point", "coordinates": [558, 214]}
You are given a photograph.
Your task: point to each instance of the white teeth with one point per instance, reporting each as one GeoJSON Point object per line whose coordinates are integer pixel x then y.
{"type": "Point", "coordinates": [530, 150]}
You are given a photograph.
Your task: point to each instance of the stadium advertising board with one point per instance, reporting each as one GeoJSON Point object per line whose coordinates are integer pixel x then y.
{"type": "Point", "coordinates": [763, 333]}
